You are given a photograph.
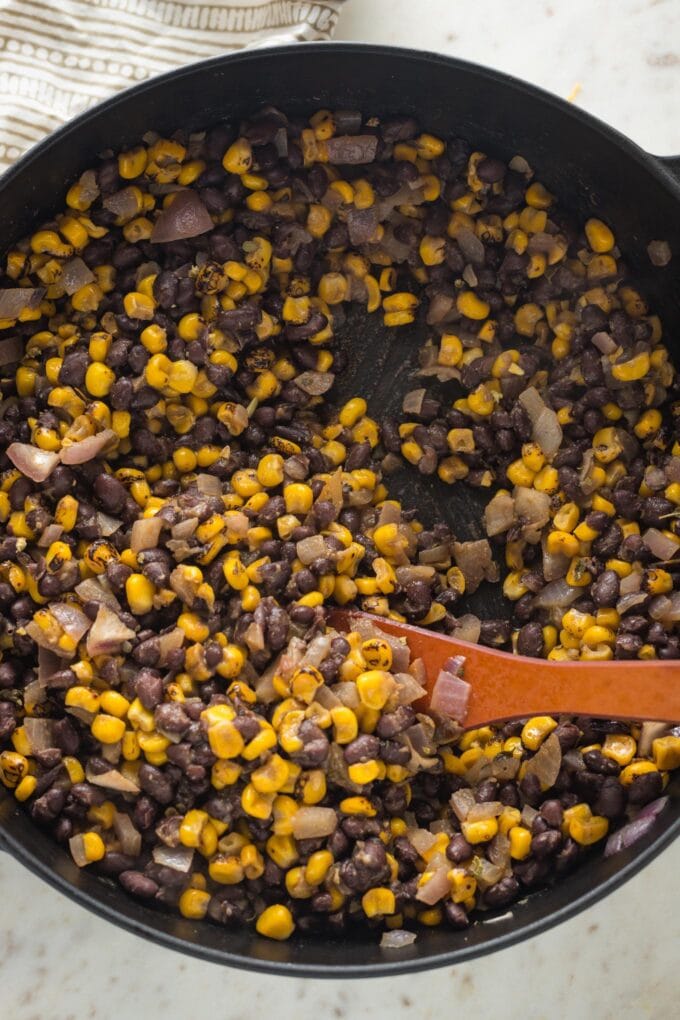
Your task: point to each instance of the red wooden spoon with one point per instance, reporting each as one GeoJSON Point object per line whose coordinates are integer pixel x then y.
{"type": "Point", "coordinates": [506, 686]}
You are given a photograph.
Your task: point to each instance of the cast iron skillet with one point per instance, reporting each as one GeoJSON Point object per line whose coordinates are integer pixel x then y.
{"type": "Point", "coordinates": [592, 169]}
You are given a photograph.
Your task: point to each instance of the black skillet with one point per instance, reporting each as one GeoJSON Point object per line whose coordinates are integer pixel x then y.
{"type": "Point", "coordinates": [594, 171]}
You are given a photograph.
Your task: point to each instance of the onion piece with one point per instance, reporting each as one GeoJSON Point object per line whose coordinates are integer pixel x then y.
{"type": "Point", "coordinates": [421, 840]}
{"type": "Point", "coordinates": [649, 732]}
{"type": "Point", "coordinates": [314, 822]}
{"type": "Point", "coordinates": [467, 628]}
{"type": "Point", "coordinates": [33, 462]}
{"type": "Point", "coordinates": [486, 873]}
{"type": "Point", "coordinates": [435, 888]}
{"type": "Point", "coordinates": [209, 485]}
{"type": "Point", "coordinates": [168, 643]}
{"type": "Point", "coordinates": [532, 509]}
{"type": "Point", "coordinates": [475, 561]}
{"type": "Point", "coordinates": [111, 780]}
{"type": "Point", "coordinates": [632, 583]}
{"type": "Point", "coordinates": [546, 429]}
{"type": "Point", "coordinates": [499, 513]}
{"type": "Point", "coordinates": [310, 549]}
{"type": "Point", "coordinates": [556, 594]}
{"type": "Point", "coordinates": [397, 938]}
{"type": "Point", "coordinates": [71, 619]}
{"type": "Point", "coordinates": [130, 838]}
{"type": "Point", "coordinates": [352, 150]}
{"type": "Point", "coordinates": [486, 809]}
{"type": "Point", "coordinates": [49, 663]}
{"type": "Point", "coordinates": [315, 383]}
{"type": "Point", "coordinates": [659, 253]}
{"type": "Point", "coordinates": [185, 217]}
{"type": "Point", "coordinates": [93, 589]}
{"type": "Point", "coordinates": [604, 342]}
{"type": "Point", "coordinates": [177, 858]}
{"type": "Point", "coordinates": [145, 533]}
{"type": "Point", "coordinates": [546, 763]}
{"type": "Point", "coordinates": [75, 274]}
{"type": "Point", "coordinates": [40, 733]}
{"type": "Point", "coordinates": [108, 525]}
{"type": "Point", "coordinates": [673, 469]}
{"type": "Point", "coordinates": [87, 449]}
{"type": "Point", "coordinates": [666, 608]}
{"type": "Point", "coordinates": [76, 845]}
{"type": "Point", "coordinates": [51, 534]}
{"type": "Point", "coordinates": [107, 633]}
{"type": "Point", "coordinates": [450, 696]}
{"type": "Point", "coordinates": [11, 350]}
{"type": "Point", "coordinates": [413, 404]}
{"type": "Point", "coordinates": [123, 203]}
{"type": "Point", "coordinates": [629, 601]}
{"type": "Point", "coordinates": [317, 650]}
{"type": "Point", "coordinates": [462, 801]}
{"type": "Point", "coordinates": [659, 545]}
{"type": "Point", "coordinates": [15, 300]}
{"type": "Point", "coordinates": [635, 830]}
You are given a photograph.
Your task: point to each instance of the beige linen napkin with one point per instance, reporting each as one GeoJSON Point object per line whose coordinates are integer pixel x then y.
{"type": "Point", "coordinates": [61, 56]}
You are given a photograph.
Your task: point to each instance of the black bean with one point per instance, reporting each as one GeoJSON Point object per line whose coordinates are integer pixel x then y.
{"type": "Point", "coordinates": [503, 892]}
{"type": "Point", "coordinates": [138, 884]}
{"type": "Point", "coordinates": [364, 748]}
{"type": "Point", "coordinates": [546, 843]}
{"type": "Point", "coordinates": [530, 639]}
{"type": "Point", "coordinates": [645, 788]}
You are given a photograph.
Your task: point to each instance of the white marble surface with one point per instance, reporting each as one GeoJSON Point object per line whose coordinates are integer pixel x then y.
{"type": "Point", "coordinates": [616, 960]}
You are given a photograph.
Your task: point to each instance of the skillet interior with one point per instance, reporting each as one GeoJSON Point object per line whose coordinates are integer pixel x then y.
{"type": "Point", "coordinates": [588, 166]}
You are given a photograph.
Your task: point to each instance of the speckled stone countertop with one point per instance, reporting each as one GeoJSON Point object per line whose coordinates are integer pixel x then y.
{"type": "Point", "coordinates": [620, 59]}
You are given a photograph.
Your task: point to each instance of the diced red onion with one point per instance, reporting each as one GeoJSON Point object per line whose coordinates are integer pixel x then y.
{"type": "Point", "coordinates": [349, 150]}
{"type": "Point", "coordinates": [556, 594]}
{"type": "Point", "coordinates": [499, 513]}
{"type": "Point", "coordinates": [450, 696]}
{"type": "Point", "coordinates": [436, 887]}
{"type": "Point", "coordinates": [15, 300]}
{"type": "Point", "coordinates": [71, 619]}
{"type": "Point", "coordinates": [468, 628]}
{"type": "Point", "coordinates": [40, 733]}
{"type": "Point", "coordinates": [413, 402]}
{"type": "Point", "coordinates": [314, 822]}
{"type": "Point", "coordinates": [635, 830]}
{"type": "Point", "coordinates": [310, 549]}
{"type": "Point", "coordinates": [462, 801]}
{"type": "Point", "coordinates": [604, 342]}
{"type": "Point", "coordinates": [209, 485]}
{"type": "Point", "coordinates": [130, 838]}
{"type": "Point", "coordinates": [33, 462]}
{"type": "Point", "coordinates": [108, 525]}
{"type": "Point", "coordinates": [145, 533]}
{"type": "Point", "coordinates": [659, 253]}
{"type": "Point", "coordinates": [666, 608]}
{"type": "Point", "coordinates": [660, 545]}
{"type": "Point", "coordinates": [75, 274]}
{"type": "Point", "coordinates": [185, 217]}
{"type": "Point", "coordinates": [107, 634]}
{"type": "Point", "coordinates": [315, 383]}
{"type": "Point", "coordinates": [397, 938]}
{"type": "Point", "coordinates": [546, 763]}
{"type": "Point", "coordinates": [475, 561]}
{"type": "Point", "coordinates": [51, 534]}
{"type": "Point", "coordinates": [93, 589]}
{"type": "Point", "coordinates": [111, 780]}
{"type": "Point", "coordinates": [87, 449]}
{"type": "Point", "coordinates": [177, 858]}
{"type": "Point", "coordinates": [546, 429]}
{"type": "Point", "coordinates": [11, 350]}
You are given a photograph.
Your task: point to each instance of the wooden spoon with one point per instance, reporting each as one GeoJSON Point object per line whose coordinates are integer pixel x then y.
{"type": "Point", "coordinates": [506, 686]}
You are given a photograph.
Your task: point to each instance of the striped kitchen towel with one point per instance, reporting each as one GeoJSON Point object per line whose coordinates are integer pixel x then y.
{"type": "Point", "coordinates": [61, 56]}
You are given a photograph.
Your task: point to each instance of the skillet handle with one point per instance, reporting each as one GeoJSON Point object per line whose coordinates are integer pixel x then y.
{"type": "Point", "coordinates": [672, 165]}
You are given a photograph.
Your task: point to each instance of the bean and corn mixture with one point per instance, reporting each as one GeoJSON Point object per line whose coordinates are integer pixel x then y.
{"type": "Point", "coordinates": [181, 501]}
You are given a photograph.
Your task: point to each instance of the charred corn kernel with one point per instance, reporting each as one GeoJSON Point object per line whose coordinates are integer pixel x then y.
{"type": "Point", "coordinates": [633, 369]}
{"type": "Point", "coordinates": [657, 581]}
{"type": "Point", "coordinates": [357, 806]}
{"type": "Point", "coordinates": [533, 456]}
{"type": "Point", "coordinates": [313, 786]}
{"type": "Point", "coordinates": [377, 654]}
{"type": "Point", "coordinates": [520, 842]}
{"type": "Point", "coordinates": [432, 250]}
{"type": "Point", "coordinates": [13, 768]}
{"type": "Point", "coordinates": [270, 777]}
{"type": "Point", "coordinates": [586, 831]}
{"type": "Point", "coordinates": [648, 424]}
{"type": "Point", "coordinates": [536, 729]}
{"type": "Point", "coordinates": [305, 683]}
{"type": "Point", "coordinates": [226, 869]}
{"type": "Point", "coordinates": [276, 922]}
{"type": "Point", "coordinates": [636, 768]}
{"type": "Point", "coordinates": [107, 728]}
{"type": "Point", "coordinates": [480, 831]}
{"type": "Point", "coordinates": [578, 575]}
{"type": "Point", "coordinates": [599, 236]}
{"type": "Point", "coordinates": [481, 401]}
{"type": "Point", "coordinates": [472, 307]}
{"type": "Point", "coordinates": [224, 773]}
{"type": "Point", "coordinates": [513, 586]}
{"type": "Point", "coordinates": [256, 804]}
{"type": "Point", "coordinates": [139, 592]}
{"type": "Point", "coordinates": [238, 159]}
{"type": "Point", "coordinates": [577, 623]}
